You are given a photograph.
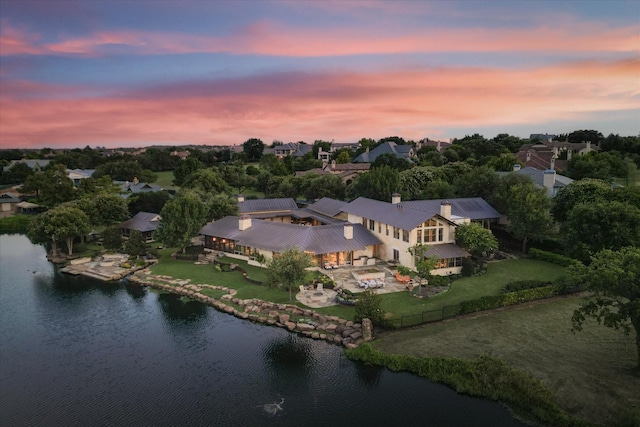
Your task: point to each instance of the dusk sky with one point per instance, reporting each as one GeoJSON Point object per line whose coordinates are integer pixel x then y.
{"type": "Point", "coordinates": [135, 73]}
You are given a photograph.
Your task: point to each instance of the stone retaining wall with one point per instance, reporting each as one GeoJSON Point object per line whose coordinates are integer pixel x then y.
{"type": "Point", "coordinates": [303, 321]}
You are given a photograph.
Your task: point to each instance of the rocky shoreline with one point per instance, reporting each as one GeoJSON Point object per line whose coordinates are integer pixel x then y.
{"type": "Point", "coordinates": [291, 317]}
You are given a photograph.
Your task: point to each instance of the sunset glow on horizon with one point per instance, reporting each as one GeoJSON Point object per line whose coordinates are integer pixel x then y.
{"type": "Point", "coordinates": [120, 73]}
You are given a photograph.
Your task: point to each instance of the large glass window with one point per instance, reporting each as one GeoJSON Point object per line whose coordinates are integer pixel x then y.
{"type": "Point", "coordinates": [372, 225]}
{"type": "Point", "coordinates": [396, 233]}
{"type": "Point", "coordinates": [405, 236]}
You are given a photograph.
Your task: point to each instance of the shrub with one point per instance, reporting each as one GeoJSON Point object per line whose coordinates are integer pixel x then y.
{"type": "Point", "coordinates": [468, 267]}
{"type": "Point", "coordinates": [519, 285]}
{"type": "Point", "coordinates": [369, 305]}
{"type": "Point", "coordinates": [439, 280]}
{"type": "Point", "coordinates": [552, 257]}
{"type": "Point", "coordinates": [504, 300]}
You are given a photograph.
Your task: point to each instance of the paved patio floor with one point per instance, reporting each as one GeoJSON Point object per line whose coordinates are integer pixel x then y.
{"type": "Point", "coordinates": [343, 276]}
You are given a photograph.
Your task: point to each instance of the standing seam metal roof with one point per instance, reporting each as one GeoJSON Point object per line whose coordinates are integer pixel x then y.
{"type": "Point", "coordinates": [276, 236]}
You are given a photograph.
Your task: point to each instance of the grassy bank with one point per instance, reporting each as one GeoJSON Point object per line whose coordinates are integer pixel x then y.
{"type": "Point", "coordinates": [207, 274]}
{"type": "Point", "coordinates": [589, 373]}
{"type": "Point", "coordinates": [15, 224]}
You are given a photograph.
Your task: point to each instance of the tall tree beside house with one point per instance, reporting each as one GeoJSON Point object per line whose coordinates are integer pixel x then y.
{"type": "Point", "coordinates": [613, 277]}
{"type": "Point", "coordinates": [221, 205]}
{"type": "Point", "coordinates": [182, 218]}
{"type": "Point", "coordinates": [584, 191]}
{"type": "Point", "coordinates": [379, 184]}
{"type": "Point", "coordinates": [528, 213]}
{"type": "Point", "coordinates": [53, 186]}
{"type": "Point", "coordinates": [343, 157]}
{"type": "Point", "coordinates": [253, 148]}
{"type": "Point", "coordinates": [475, 238]}
{"type": "Point", "coordinates": [288, 270]}
{"type": "Point", "coordinates": [60, 223]}
{"type": "Point", "coordinates": [592, 227]}
{"type": "Point", "coordinates": [424, 264]}
{"type": "Point", "coordinates": [152, 201]}
{"type": "Point", "coordinates": [104, 208]}
{"type": "Point", "coordinates": [135, 245]}
{"type": "Point", "coordinates": [236, 176]}
{"type": "Point", "coordinates": [112, 238]}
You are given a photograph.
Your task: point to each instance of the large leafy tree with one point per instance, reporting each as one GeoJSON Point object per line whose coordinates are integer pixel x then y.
{"type": "Point", "coordinates": [135, 245]}
{"type": "Point", "coordinates": [528, 213]}
{"type": "Point", "coordinates": [182, 218]}
{"type": "Point", "coordinates": [236, 176]}
{"type": "Point", "coordinates": [424, 264]}
{"type": "Point", "coordinates": [56, 187]}
{"type": "Point", "coordinates": [221, 205]}
{"type": "Point", "coordinates": [319, 186]}
{"type": "Point", "coordinates": [592, 227]}
{"type": "Point", "coordinates": [475, 238]}
{"type": "Point", "coordinates": [379, 183]}
{"type": "Point", "coordinates": [104, 208]}
{"type": "Point", "coordinates": [185, 168]}
{"type": "Point", "coordinates": [60, 223]}
{"type": "Point", "coordinates": [205, 181]}
{"type": "Point", "coordinates": [583, 191]}
{"type": "Point", "coordinates": [152, 201]}
{"type": "Point", "coordinates": [613, 277]}
{"type": "Point", "coordinates": [253, 148]}
{"type": "Point", "coordinates": [287, 270]}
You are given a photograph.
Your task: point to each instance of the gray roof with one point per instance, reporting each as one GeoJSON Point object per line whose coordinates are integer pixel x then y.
{"type": "Point", "coordinates": [277, 236]}
{"type": "Point", "coordinates": [10, 198]}
{"type": "Point", "coordinates": [328, 206]}
{"type": "Point", "coordinates": [308, 213]}
{"type": "Point", "coordinates": [474, 208]}
{"type": "Point", "coordinates": [32, 163]}
{"type": "Point", "coordinates": [267, 205]}
{"type": "Point", "coordinates": [142, 221]}
{"type": "Point", "coordinates": [408, 215]}
{"type": "Point", "coordinates": [140, 187]}
{"type": "Point", "coordinates": [537, 176]}
{"type": "Point", "coordinates": [446, 250]}
{"type": "Point", "coordinates": [388, 147]}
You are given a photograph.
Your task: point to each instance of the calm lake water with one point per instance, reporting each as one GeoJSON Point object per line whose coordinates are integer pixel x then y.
{"type": "Point", "coordinates": [79, 352]}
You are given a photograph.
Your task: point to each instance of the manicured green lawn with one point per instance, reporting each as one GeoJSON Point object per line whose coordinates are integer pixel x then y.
{"type": "Point", "coordinates": [589, 372]}
{"type": "Point", "coordinates": [498, 274]}
{"type": "Point", "coordinates": [165, 180]}
{"type": "Point", "coordinates": [207, 274]}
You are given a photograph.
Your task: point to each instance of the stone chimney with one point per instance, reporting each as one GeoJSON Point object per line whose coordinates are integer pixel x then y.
{"type": "Point", "coordinates": [588, 147]}
{"type": "Point", "coordinates": [548, 180]}
{"type": "Point", "coordinates": [348, 231]}
{"type": "Point", "coordinates": [553, 164]}
{"type": "Point", "coordinates": [333, 165]}
{"type": "Point", "coordinates": [438, 146]}
{"type": "Point", "coordinates": [516, 167]}
{"type": "Point", "coordinates": [395, 198]}
{"type": "Point", "coordinates": [529, 156]}
{"type": "Point", "coordinates": [244, 222]}
{"type": "Point", "coordinates": [445, 210]}
{"type": "Point", "coordinates": [240, 198]}
{"type": "Point", "coordinates": [569, 153]}
{"type": "Point", "coordinates": [135, 180]}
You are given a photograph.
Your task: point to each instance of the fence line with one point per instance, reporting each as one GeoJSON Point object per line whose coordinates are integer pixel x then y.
{"type": "Point", "coordinates": [430, 316]}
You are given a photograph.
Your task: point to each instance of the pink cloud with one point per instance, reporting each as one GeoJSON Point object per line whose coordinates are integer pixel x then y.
{"type": "Point", "coordinates": [266, 38]}
{"type": "Point", "coordinates": [348, 106]}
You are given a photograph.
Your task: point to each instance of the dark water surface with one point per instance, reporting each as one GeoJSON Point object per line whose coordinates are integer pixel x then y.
{"type": "Point", "coordinates": [79, 352]}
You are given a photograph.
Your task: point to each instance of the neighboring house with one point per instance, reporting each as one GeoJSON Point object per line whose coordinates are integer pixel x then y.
{"type": "Point", "coordinates": [346, 171]}
{"type": "Point", "coordinates": [77, 175]}
{"type": "Point", "coordinates": [243, 237]}
{"type": "Point", "coordinates": [144, 222]}
{"type": "Point", "coordinates": [182, 154]}
{"type": "Point", "coordinates": [294, 149]}
{"type": "Point", "coordinates": [129, 188]}
{"type": "Point", "coordinates": [547, 179]}
{"type": "Point", "coordinates": [35, 164]}
{"type": "Point", "coordinates": [9, 203]}
{"type": "Point", "coordinates": [402, 225]}
{"type": "Point", "coordinates": [438, 145]}
{"type": "Point", "coordinates": [551, 154]}
{"type": "Point", "coordinates": [355, 233]}
{"type": "Point", "coordinates": [389, 147]}
{"type": "Point", "coordinates": [325, 156]}
{"type": "Point", "coordinates": [542, 137]}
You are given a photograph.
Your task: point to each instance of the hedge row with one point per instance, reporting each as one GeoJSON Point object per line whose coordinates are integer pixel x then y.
{"type": "Point", "coordinates": [484, 376]}
{"type": "Point", "coordinates": [552, 257]}
{"type": "Point", "coordinates": [504, 300]}
{"type": "Point", "coordinates": [520, 285]}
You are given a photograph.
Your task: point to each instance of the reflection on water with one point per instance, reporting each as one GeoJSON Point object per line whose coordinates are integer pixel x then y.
{"type": "Point", "coordinates": [80, 352]}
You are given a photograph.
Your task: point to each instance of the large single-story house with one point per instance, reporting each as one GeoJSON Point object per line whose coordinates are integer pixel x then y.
{"type": "Point", "coordinates": [244, 237]}
{"type": "Point", "coordinates": [144, 222]}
